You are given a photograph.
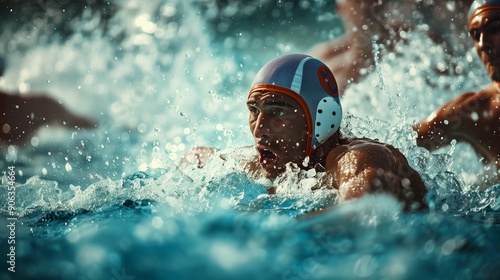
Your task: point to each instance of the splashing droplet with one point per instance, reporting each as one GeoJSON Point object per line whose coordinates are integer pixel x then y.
{"type": "Point", "coordinates": [68, 167]}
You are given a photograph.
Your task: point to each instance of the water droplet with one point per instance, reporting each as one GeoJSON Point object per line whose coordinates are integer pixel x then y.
{"type": "Point", "coordinates": [474, 116]}
{"type": "Point", "coordinates": [141, 128]}
{"type": "Point", "coordinates": [35, 141]}
{"type": "Point", "coordinates": [68, 167]}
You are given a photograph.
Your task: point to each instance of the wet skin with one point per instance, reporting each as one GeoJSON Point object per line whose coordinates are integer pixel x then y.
{"type": "Point", "coordinates": [356, 166]}
{"type": "Point", "coordinates": [484, 30]}
{"type": "Point", "coordinates": [22, 116]}
{"type": "Point", "coordinates": [473, 118]}
{"type": "Point", "coordinates": [279, 128]}
{"type": "Point", "coordinates": [360, 166]}
{"type": "Point", "coordinates": [351, 56]}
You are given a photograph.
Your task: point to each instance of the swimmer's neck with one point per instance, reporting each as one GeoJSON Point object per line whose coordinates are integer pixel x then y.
{"type": "Point", "coordinates": [318, 157]}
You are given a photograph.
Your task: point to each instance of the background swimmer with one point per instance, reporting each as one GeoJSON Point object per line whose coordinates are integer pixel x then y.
{"type": "Point", "coordinates": [473, 117]}
{"type": "Point", "coordinates": [385, 23]}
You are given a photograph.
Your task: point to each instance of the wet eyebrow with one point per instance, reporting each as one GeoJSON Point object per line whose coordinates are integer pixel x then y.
{"type": "Point", "coordinates": [274, 103]}
{"type": "Point", "coordinates": [251, 102]}
{"type": "Point", "coordinates": [278, 103]}
{"type": "Point", "coordinates": [493, 20]}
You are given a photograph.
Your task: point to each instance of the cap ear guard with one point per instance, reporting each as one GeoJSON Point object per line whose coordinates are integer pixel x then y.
{"type": "Point", "coordinates": [328, 118]}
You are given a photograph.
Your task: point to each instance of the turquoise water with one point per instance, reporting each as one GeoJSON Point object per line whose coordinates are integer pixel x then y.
{"type": "Point", "coordinates": [163, 76]}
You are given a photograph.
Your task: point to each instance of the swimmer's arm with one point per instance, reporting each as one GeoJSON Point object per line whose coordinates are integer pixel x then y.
{"type": "Point", "coordinates": [22, 116]}
{"type": "Point", "coordinates": [365, 172]}
{"type": "Point", "coordinates": [448, 122]}
{"type": "Point", "coordinates": [362, 169]}
{"type": "Point", "coordinates": [326, 50]}
{"type": "Point", "coordinates": [369, 168]}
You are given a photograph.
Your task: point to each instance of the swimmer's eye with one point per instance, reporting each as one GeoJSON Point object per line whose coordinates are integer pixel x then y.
{"type": "Point", "coordinates": [253, 109]}
{"type": "Point", "coordinates": [490, 28]}
{"type": "Point", "coordinates": [494, 26]}
{"type": "Point", "coordinates": [474, 35]}
{"type": "Point", "coordinates": [278, 112]}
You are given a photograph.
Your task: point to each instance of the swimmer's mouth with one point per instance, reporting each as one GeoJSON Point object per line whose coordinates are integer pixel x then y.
{"type": "Point", "coordinates": [267, 158]}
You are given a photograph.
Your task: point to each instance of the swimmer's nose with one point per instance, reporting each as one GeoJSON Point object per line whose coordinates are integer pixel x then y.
{"type": "Point", "coordinates": [485, 43]}
{"type": "Point", "coordinates": [261, 128]}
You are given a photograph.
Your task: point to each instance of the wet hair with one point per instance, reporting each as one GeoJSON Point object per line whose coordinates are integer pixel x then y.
{"type": "Point", "coordinates": [312, 84]}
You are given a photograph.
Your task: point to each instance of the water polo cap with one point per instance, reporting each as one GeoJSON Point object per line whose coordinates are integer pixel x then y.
{"type": "Point", "coordinates": [311, 83]}
{"type": "Point", "coordinates": [479, 6]}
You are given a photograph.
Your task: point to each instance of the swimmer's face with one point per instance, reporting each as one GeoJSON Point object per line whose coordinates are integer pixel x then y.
{"type": "Point", "coordinates": [484, 28]}
{"type": "Point", "coordinates": [278, 125]}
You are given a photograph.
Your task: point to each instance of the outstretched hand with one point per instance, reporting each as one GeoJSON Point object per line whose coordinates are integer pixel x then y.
{"type": "Point", "coordinates": [22, 116]}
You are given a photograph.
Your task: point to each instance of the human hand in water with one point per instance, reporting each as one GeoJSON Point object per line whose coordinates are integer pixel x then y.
{"type": "Point", "coordinates": [22, 116]}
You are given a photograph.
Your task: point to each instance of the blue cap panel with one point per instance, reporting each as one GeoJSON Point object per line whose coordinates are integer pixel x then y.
{"type": "Point", "coordinates": [313, 84]}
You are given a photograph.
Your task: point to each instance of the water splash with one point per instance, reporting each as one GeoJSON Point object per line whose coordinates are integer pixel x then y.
{"type": "Point", "coordinates": [161, 83]}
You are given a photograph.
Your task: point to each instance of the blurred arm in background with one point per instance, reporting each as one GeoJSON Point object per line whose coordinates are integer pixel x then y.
{"type": "Point", "coordinates": [384, 22]}
{"type": "Point", "coordinates": [21, 116]}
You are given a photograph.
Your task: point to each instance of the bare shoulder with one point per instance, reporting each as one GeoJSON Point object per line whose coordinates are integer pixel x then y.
{"type": "Point", "coordinates": [474, 101]}
{"type": "Point", "coordinates": [363, 150]}
{"type": "Point", "coordinates": [491, 96]}
{"type": "Point", "coordinates": [360, 166]}
{"type": "Point", "coordinates": [366, 159]}
{"type": "Point", "coordinates": [473, 107]}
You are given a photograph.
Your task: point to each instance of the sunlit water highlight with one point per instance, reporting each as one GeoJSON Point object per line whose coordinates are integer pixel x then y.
{"type": "Point", "coordinates": [163, 76]}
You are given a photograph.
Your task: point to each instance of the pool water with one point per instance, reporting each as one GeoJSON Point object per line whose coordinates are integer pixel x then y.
{"type": "Point", "coordinates": [164, 76]}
